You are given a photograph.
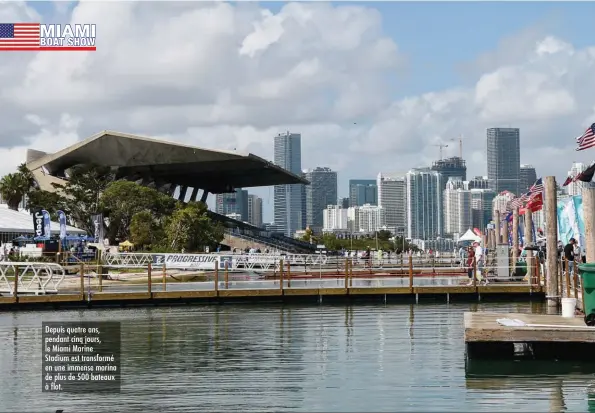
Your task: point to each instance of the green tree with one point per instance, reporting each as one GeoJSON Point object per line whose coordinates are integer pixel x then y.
{"type": "Point", "coordinates": [308, 235]}
{"type": "Point", "coordinates": [145, 231]}
{"type": "Point", "coordinates": [51, 201]}
{"type": "Point", "coordinates": [14, 186]}
{"type": "Point", "coordinates": [81, 193]}
{"type": "Point", "coordinates": [384, 235]}
{"type": "Point", "coordinates": [191, 229]}
{"type": "Point", "coordinates": [122, 200]}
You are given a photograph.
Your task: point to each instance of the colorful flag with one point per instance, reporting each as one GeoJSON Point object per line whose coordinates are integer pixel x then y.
{"type": "Point", "coordinates": [586, 175]}
{"type": "Point", "coordinates": [587, 139]}
{"type": "Point", "coordinates": [537, 186]}
{"type": "Point", "coordinates": [567, 181]}
{"type": "Point", "coordinates": [47, 224]}
{"type": "Point", "coordinates": [14, 36]}
{"type": "Point", "coordinates": [62, 220]}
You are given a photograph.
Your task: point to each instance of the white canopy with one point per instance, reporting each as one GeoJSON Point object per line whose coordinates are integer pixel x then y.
{"type": "Point", "coordinates": [469, 236]}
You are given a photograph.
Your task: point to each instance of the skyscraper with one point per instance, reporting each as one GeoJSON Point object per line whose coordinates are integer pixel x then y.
{"type": "Point", "coordinates": [288, 213]}
{"type": "Point", "coordinates": [424, 204]}
{"type": "Point", "coordinates": [363, 191]}
{"type": "Point", "coordinates": [454, 167]}
{"type": "Point", "coordinates": [527, 178]}
{"type": "Point", "coordinates": [504, 159]}
{"type": "Point", "coordinates": [481, 204]}
{"type": "Point", "coordinates": [392, 198]}
{"type": "Point", "coordinates": [321, 193]}
{"type": "Point", "coordinates": [576, 188]}
{"type": "Point", "coordinates": [233, 203]}
{"type": "Point", "coordinates": [255, 210]}
{"type": "Point", "coordinates": [457, 207]}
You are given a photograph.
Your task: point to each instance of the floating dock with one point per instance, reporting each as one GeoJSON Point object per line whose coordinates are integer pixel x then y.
{"type": "Point", "coordinates": [539, 337]}
{"type": "Point", "coordinates": [270, 290]}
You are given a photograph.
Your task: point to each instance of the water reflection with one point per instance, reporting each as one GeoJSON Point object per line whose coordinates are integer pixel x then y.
{"type": "Point", "coordinates": [299, 358]}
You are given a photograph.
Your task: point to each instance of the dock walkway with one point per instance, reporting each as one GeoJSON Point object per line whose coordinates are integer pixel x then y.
{"type": "Point", "coordinates": [541, 336]}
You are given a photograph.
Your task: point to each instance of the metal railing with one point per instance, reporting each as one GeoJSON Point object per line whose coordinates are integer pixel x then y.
{"type": "Point", "coordinates": [30, 277]}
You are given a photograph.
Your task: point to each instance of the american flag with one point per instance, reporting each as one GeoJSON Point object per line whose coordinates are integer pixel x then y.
{"type": "Point", "coordinates": [537, 187]}
{"type": "Point", "coordinates": [587, 139]}
{"type": "Point", "coordinates": [516, 203]}
{"type": "Point", "coordinates": [19, 36]}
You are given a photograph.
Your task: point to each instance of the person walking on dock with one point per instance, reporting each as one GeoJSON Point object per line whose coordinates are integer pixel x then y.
{"type": "Point", "coordinates": [470, 262]}
{"type": "Point", "coordinates": [569, 254]}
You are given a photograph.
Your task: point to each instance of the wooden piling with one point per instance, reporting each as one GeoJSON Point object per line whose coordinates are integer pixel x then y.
{"type": "Point", "coordinates": [515, 237]}
{"type": "Point", "coordinates": [567, 278]}
{"type": "Point", "coordinates": [281, 274]}
{"type": "Point", "coordinates": [346, 272]}
{"type": "Point", "coordinates": [149, 280]}
{"type": "Point", "coordinates": [589, 219]}
{"type": "Point", "coordinates": [164, 278]}
{"type": "Point", "coordinates": [474, 271]}
{"type": "Point", "coordinates": [82, 278]}
{"type": "Point", "coordinates": [497, 227]}
{"type": "Point", "coordinates": [351, 273]}
{"type": "Point", "coordinates": [217, 274]}
{"type": "Point", "coordinates": [16, 284]}
{"type": "Point", "coordinates": [289, 272]}
{"type": "Point", "coordinates": [504, 232]}
{"type": "Point", "coordinates": [226, 273]}
{"type": "Point", "coordinates": [528, 230]}
{"type": "Point", "coordinates": [551, 224]}
{"type": "Point", "coordinates": [411, 273]}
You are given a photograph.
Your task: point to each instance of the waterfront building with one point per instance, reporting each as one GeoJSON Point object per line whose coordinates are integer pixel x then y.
{"type": "Point", "coordinates": [454, 167]}
{"type": "Point", "coordinates": [335, 218]}
{"type": "Point", "coordinates": [424, 203]}
{"type": "Point", "coordinates": [233, 203]}
{"type": "Point", "coordinates": [288, 199]}
{"type": "Point", "coordinates": [501, 202]}
{"type": "Point", "coordinates": [478, 182]}
{"type": "Point", "coordinates": [366, 218]}
{"type": "Point", "coordinates": [362, 191]}
{"type": "Point", "coordinates": [576, 188]}
{"type": "Point", "coordinates": [392, 197]}
{"type": "Point", "coordinates": [528, 176]}
{"type": "Point", "coordinates": [481, 207]}
{"type": "Point", "coordinates": [255, 210]}
{"type": "Point", "coordinates": [504, 159]}
{"type": "Point", "coordinates": [457, 207]}
{"type": "Point", "coordinates": [321, 192]}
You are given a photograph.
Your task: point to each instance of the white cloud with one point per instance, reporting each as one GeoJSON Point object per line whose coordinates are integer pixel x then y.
{"type": "Point", "coordinates": [232, 76]}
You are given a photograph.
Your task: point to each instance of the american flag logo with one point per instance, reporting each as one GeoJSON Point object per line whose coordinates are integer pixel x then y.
{"type": "Point", "coordinates": [19, 36]}
{"type": "Point", "coordinates": [587, 139]}
{"type": "Point", "coordinates": [537, 187]}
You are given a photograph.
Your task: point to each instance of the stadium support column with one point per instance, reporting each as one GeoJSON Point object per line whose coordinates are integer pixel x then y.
{"type": "Point", "coordinates": [551, 222]}
{"type": "Point", "coordinates": [182, 195]}
{"type": "Point", "coordinates": [194, 194]}
{"type": "Point", "coordinates": [204, 196]}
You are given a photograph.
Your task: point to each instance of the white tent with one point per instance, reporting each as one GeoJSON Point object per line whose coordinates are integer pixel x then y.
{"type": "Point", "coordinates": [469, 236]}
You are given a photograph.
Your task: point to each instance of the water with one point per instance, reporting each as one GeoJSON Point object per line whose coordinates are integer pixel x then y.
{"type": "Point", "coordinates": [293, 358]}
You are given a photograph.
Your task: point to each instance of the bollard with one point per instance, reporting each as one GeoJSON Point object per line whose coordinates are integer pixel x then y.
{"type": "Point", "coordinates": [281, 275]}
{"type": "Point", "coordinates": [149, 281]}
{"type": "Point", "coordinates": [164, 278]}
{"type": "Point", "coordinates": [226, 275]}
{"type": "Point", "coordinates": [289, 273]}
{"type": "Point", "coordinates": [82, 269]}
{"type": "Point", "coordinates": [16, 283]}
{"type": "Point", "coordinates": [411, 273]}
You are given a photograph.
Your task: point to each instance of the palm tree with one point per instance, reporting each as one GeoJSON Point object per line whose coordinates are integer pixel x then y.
{"type": "Point", "coordinates": [14, 187]}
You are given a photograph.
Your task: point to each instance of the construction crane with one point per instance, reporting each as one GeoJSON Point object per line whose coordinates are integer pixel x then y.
{"type": "Point", "coordinates": [441, 145]}
{"type": "Point", "coordinates": [460, 139]}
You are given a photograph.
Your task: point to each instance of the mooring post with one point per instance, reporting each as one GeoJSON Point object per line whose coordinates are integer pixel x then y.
{"type": "Point", "coordinates": [217, 274]}
{"type": "Point", "coordinates": [528, 230]}
{"type": "Point", "coordinates": [149, 281]}
{"type": "Point", "coordinates": [567, 278]}
{"type": "Point", "coordinates": [82, 279]}
{"type": "Point", "coordinates": [16, 284]}
{"type": "Point", "coordinates": [551, 224]}
{"type": "Point", "coordinates": [351, 273]}
{"type": "Point", "coordinates": [515, 237]}
{"type": "Point", "coordinates": [504, 232]}
{"type": "Point", "coordinates": [346, 273]}
{"type": "Point", "coordinates": [164, 277]}
{"type": "Point", "coordinates": [226, 274]}
{"type": "Point", "coordinates": [589, 218]}
{"type": "Point", "coordinates": [411, 273]}
{"type": "Point", "coordinates": [497, 227]}
{"type": "Point", "coordinates": [289, 273]}
{"type": "Point", "coordinates": [281, 275]}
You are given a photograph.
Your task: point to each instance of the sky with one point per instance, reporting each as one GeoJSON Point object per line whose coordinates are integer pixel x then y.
{"type": "Point", "coordinates": [372, 87]}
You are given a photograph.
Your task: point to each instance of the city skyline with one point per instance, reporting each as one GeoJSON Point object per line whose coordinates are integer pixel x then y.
{"type": "Point", "coordinates": [272, 67]}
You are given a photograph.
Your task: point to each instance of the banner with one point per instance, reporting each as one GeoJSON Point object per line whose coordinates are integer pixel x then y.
{"type": "Point", "coordinates": [38, 227]}
{"type": "Point", "coordinates": [192, 261]}
{"type": "Point", "coordinates": [62, 221]}
{"type": "Point", "coordinates": [570, 220]}
{"type": "Point", "coordinates": [98, 225]}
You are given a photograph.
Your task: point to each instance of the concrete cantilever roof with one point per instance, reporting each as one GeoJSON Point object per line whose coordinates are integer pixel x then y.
{"type": "Point", "coordinates": [151, 160]}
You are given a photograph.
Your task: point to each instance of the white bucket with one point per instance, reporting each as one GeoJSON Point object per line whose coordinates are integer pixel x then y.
{"type": "Point", "coordinates": [568, 307]}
